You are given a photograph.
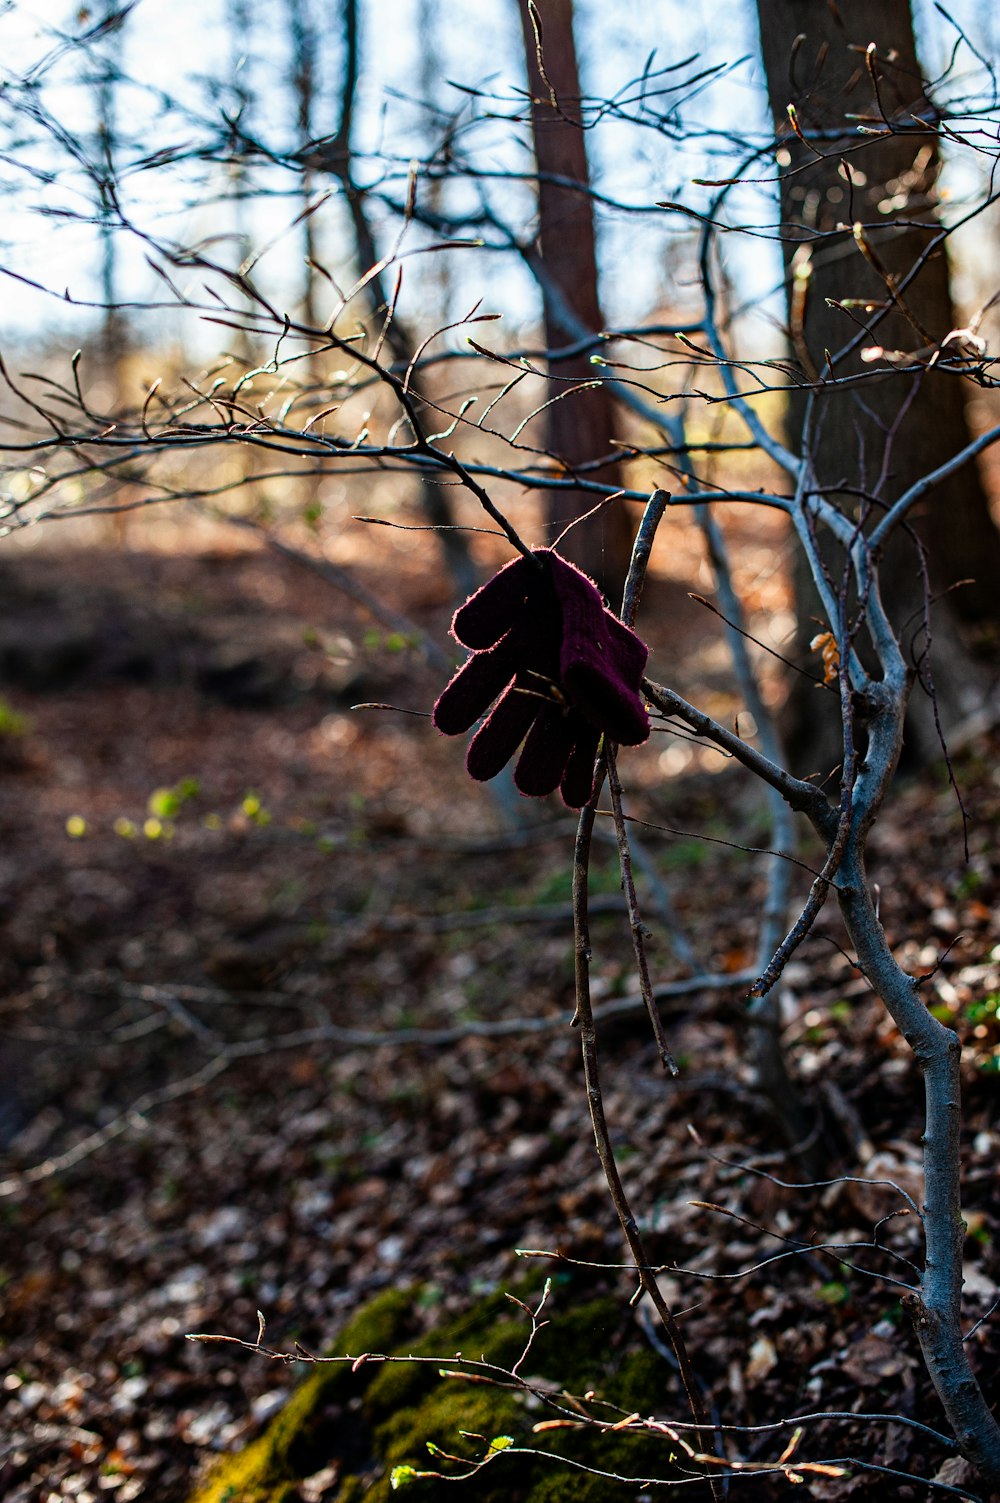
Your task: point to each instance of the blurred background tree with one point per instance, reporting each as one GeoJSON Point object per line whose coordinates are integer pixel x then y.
{"type": "Point", "coordinates": [314, 163]}
{"type": "Point", "coordinates": [580, 428]}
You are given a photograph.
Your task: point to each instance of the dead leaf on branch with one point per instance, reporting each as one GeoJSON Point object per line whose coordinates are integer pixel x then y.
{"type": "Point", "coordinates": [825, 643]}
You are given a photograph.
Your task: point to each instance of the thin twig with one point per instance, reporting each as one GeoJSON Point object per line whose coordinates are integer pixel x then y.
{"type": "Point", "coordinates": [584, 1019]}
{"type": "Point", "coordinates": [638, 928]}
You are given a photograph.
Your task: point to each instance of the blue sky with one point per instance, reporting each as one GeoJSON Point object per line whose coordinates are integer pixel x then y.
{"type": "Point", "coordinates": [180, 46]}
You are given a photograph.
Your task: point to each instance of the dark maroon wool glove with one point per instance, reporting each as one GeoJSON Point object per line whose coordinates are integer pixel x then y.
{"type": "Point", "coordinates": [565, 670]}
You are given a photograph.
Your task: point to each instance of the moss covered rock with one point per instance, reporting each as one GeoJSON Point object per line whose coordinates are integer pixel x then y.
{"type": "Point", "coordinates": [387, 1416]}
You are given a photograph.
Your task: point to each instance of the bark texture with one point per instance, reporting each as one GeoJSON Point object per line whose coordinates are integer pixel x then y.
{"type": "Point", "coordinates": [870, 440]}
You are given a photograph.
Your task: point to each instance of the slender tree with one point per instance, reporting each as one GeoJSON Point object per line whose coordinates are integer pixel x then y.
{"type": "Point", "coordinates": [581, 425]}
{"type": "Point", "coordinates": [304, 40]}
{"type": "Point", "coordinates": [104, 77]}
{"type": "Point", "coordinates": [334, 154]}
{"type": "Point", "coordinates": [241, 109]}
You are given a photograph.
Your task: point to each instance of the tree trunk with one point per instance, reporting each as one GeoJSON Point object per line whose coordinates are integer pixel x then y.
{"type": "Point", "coordinates": [335, 155]}
{"type": "Point", "coordinates": [870, 441]}
{"type": "Point", "coordinates": [303, 81]}
{"type": "Point", "coordinates": [579, 428]}
{"type": "Point", "coordinates": [113, 326]}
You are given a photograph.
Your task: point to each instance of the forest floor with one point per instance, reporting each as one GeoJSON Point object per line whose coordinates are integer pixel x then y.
{"type": "Point", "coordinates": [215, 878]}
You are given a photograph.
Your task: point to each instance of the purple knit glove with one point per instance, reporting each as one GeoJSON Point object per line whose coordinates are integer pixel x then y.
{"type": "Point", "coordinates": [565, 670]}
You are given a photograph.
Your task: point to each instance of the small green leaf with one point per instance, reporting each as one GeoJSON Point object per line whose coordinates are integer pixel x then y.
{"type": "Point", "coordinates": [163, 803]}
{"type": "Point", "coordinates": [500, 1443]}
{"type": "Point", "coordinates": [158, 829]}
{"type": "Point", "coordinates": [401, 1476]}
{"type": "Point", "coordinates": [12, 723]}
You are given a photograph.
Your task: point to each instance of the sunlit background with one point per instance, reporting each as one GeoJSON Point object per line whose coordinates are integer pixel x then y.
{"type": "Point", "coordinates": [165, 81]}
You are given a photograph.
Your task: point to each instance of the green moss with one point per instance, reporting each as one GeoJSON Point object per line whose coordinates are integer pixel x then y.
{"type": "Point", "coordinates": [387, 1415]}
{"type": "Point", "coordinates": [270, 1468]}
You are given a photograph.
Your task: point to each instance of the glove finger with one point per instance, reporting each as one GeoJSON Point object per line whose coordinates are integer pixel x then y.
{"type": "Point", "coordinates": [580, 600]}
{"type": "Point", "coordinates": [546, 751]}
{"type": "Point", "coordinates": [491, 612]}
{"type": "Point", "coordinates": [474, 687]}
{"type": "Point", "coordinates": [629, 654]}
{"type": "Point", "coordinates": [578, 780]}
{"type": "Point", "coordinates": [608, 702]}
{"type": "Point", "coordinates": [628, 648]}
{"type": "Point", "coordinates": [499, 737]}
{"type": "Point", "coordinates": [601, 661]}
